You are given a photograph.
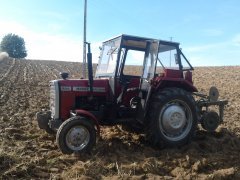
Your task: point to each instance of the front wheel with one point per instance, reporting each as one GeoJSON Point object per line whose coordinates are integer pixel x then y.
{"type": "Point", "coordinates": [76, 135]}
{"type": "Point", "coordinates": [173, 118]}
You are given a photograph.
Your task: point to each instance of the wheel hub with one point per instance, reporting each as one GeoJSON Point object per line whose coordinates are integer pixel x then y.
{"type": "Point", "coordinates": [173, 119]}
{"type": "Point", "coordinates": [77, 138]}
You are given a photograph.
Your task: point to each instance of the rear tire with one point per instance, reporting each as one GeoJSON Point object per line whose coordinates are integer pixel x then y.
{"type": "Point", "coordinates": [76, 135]}
{"type": "Point", "coordinates": [173, 118]}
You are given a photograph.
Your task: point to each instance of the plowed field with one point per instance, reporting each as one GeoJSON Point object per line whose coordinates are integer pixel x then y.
{"type": "Point", "coordinates": [29, 153]}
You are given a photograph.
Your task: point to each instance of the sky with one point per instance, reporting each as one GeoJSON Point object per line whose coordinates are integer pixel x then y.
{"type": "Point", "coordinates": [208, 31]}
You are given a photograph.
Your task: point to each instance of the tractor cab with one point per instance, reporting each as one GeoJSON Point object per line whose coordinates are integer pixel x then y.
{"type": "Point", "coordinates": [135, 66]}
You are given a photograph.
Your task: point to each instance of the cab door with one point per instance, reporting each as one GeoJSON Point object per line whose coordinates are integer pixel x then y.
{"type": "Point", "coordinates": [145, 87]}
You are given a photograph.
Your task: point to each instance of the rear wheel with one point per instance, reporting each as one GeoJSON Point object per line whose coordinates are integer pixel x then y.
{"type": "Point", "coordinates": [76, 135]}
{"type": "Point", "coordinates": [173, 118]}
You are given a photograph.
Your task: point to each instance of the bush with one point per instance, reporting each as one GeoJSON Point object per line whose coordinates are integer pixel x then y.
{"type": "Point", "coordinates": [14, 45]}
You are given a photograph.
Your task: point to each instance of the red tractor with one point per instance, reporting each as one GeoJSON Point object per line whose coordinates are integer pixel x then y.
{"type": "Point", "coordinates": [157, 101]}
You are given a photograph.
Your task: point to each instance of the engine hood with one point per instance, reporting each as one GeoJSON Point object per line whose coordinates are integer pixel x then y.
{"type": "Point", "coordinates": [81, 85]}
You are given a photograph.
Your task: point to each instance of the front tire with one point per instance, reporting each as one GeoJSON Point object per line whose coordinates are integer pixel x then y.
{"type": "Point", "coordinates": [173, 118]}
{"type": "Point", "coordinates": [76, 135]}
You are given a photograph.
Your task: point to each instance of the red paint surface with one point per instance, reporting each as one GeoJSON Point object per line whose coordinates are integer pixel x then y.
{"type": "Point", "coordinates": [174, 78]}
{"type": "Point", "coordinates": [67, 98]}
{"type": "Point", "coordinates": [134, 83]}
{"type": "Point", "coordinates": [89, 115]}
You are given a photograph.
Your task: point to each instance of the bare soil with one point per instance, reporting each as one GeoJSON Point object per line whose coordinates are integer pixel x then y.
{"type": "Point", "coordinates": [27, 152]}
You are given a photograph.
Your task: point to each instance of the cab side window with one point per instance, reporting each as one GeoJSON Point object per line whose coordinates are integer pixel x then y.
{"type": "Point", "coordinates": [133, 63]}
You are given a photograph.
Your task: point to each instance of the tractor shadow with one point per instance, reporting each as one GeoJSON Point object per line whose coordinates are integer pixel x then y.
{"type": "Point", "coordinates": [212, 142]}
{"type": "Point", "coordinates": [203, 141]}
{"type": "Point", "coordinates": [219, 149]}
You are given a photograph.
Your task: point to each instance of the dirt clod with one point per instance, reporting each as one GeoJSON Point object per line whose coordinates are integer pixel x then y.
{"type": "Point", "coordinates": [224, 173]}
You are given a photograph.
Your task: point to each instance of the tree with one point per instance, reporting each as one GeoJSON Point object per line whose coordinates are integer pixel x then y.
{"type": "Point", "coordinates": [14, 45]}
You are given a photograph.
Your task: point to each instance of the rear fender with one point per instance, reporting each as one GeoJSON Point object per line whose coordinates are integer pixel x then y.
{"type": "Point", "coordinates": [183, 84]}
{"type": "Point", "coordinates": [90, 116]}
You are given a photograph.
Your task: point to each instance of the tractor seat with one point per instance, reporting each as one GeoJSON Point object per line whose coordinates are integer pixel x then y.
{"type": "Point", "coordinates": [124, 81]}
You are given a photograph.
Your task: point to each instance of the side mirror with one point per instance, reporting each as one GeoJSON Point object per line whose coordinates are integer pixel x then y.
{"type": "Point", "coordinates": [176, 58]}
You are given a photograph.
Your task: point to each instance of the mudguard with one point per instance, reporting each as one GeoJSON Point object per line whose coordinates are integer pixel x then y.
{"type": "Point", "coordinates": [87, 114]}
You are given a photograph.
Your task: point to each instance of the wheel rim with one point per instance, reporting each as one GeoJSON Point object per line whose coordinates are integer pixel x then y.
{"type": "Point", "coordinates": [77, 138]}
{"type": "Point", "coordinates": [175, 120]}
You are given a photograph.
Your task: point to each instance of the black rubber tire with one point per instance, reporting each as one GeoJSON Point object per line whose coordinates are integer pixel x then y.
{"type": "Point", "coordinates": [158, 101]}
{"type": "Point", "coordinates": [66, 126]}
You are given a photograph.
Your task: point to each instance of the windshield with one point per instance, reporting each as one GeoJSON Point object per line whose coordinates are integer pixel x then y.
{"type": "Point", "coordinates": [168, 58]}
{"type": "Point", "coordinates": [108, 59]}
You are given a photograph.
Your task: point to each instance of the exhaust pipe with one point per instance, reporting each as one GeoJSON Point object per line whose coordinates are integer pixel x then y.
{"type": "Point", "coordinates": [90, 67]}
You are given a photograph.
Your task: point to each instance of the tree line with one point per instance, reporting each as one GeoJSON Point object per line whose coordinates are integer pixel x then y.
{"type": "Point", "coordinates": [14, 45]}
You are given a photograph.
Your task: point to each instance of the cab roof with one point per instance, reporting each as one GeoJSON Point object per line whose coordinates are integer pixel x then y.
{"type": "Point", "coordinates": [138, 38]}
